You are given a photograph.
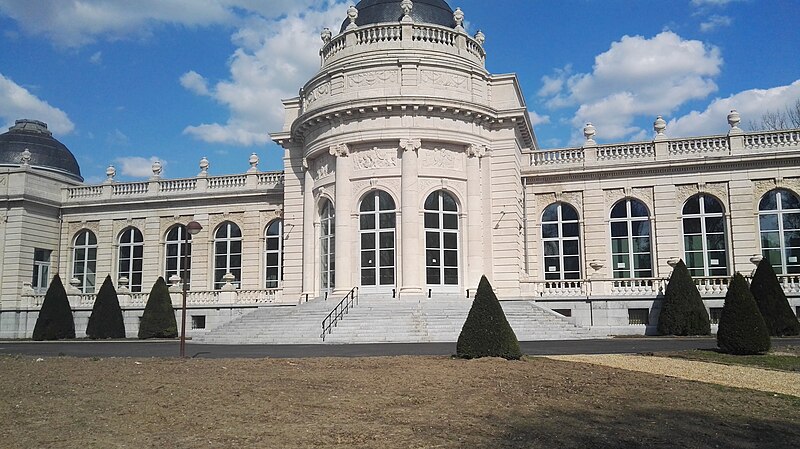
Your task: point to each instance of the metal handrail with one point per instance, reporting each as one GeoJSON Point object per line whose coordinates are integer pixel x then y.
{"type": "Point", "coordinates": [349, 301]}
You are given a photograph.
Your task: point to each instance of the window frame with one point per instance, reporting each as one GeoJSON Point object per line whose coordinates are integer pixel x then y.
{"type": "Point", "coordinates": [230, 242]}
{"type": "Point", "coordinates": [631, 255]}
{"type": "Point", "coordinates": [134, 284]}
{"type": "Point", "coordinates": [88, 247]}
{"type": "Point", "coordinates": [560, 239]}
{"type": "Point", "coordinates": [703, 216]}
{"type": "Point", "coordinates": [786, 266]}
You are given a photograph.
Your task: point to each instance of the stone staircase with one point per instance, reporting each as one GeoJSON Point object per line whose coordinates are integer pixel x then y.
{"type": "Point", "coordinates": [381, 319]}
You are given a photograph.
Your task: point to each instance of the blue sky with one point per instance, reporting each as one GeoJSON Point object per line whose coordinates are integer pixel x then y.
{"type": "Point", "coordinates": [125, 82]}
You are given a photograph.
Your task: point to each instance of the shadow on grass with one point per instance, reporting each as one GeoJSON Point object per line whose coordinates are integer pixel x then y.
{"type": "Point", "coordinates": [643, 427]}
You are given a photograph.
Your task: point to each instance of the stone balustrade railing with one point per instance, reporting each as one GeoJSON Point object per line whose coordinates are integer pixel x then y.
{"type": "Point", "coordinates": [161, 187]}
{"type": "Point", "coordinates": [193, 298]}
{"type": "Point", "coordinates": [668, 149]}
{"type": "Point", "coordinates": [405, 34]}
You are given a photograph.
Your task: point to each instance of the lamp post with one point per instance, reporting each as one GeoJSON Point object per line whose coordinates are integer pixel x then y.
{"type": "Point", "coordinates": [192, 228]}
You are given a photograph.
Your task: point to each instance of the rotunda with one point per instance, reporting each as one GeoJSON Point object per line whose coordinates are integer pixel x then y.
{"type": "Point", "coordinates": [29, 142]}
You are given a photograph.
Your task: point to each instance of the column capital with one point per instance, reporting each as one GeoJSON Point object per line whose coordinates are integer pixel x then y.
{"type": "Point", "coordinates": [340, 150]}
{"type": "Point", "coordinates": [477, 150]}
{"type": "Point", "coordinates": [305, 164]}
{"type": "Point", "coordinates": [410, 144]}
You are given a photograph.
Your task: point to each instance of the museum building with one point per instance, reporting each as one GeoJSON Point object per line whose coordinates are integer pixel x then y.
{"type": "Point", "coordinates": [409, 172]}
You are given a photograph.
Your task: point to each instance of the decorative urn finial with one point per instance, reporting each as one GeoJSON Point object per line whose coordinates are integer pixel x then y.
{"type": "Point", "coordinates": [659, 126]}
{"type": "Point", "coordinates": [458, 17]}
{"type": "Point", "coordinates": [352, 14]}
{"type": "Point", "coordinates": [406, 6]}
{"type": "Point", "coordinates": [734, 119]}
{"type": "Point", "coordinates": [111, 171]}
{"type": "Point", "coordinates": [589, 132]}
{"type": "Point", "coordinates": [480, 37]}
{"type": "Point", "coordinates": [253, 163]}
{"type": "Point", "coordinates": [204, 164]}
{"type": "Point", "coordinates": [157, 168]}
{"type": "Point", "coordinates": [326, 35]}
{"type": "Point", "coordinates": [26, 157]}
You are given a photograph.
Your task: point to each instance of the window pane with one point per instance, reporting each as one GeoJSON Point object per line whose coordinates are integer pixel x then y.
{"type": "Point", "coordinates": [450, 240]}
{"type": "Point", "coordinates": [642, 262]}
{"type": "Point", "coordinates": [431, 221]}
{"type": "Point", "coordinates": [768, 222]}
{"type": "Point", "coordinates": [789, 200]}
{"type": "Point", "coordinates": [692, 206]}
{"type": "Point", "coordinates": [712, 205]}
{"type": "Point", "coordinates": [571, 263]}
{"type": "Point", "coordinates": [451, 258]}
{"type": "Point", "coordinates": [385, 202]}
{"type": "Point", "coordinates": [387, 239]}
{"type": "Point", "coordinates": [550, 213]}
{"type": "Point", "coordinates": [138, 251]}
{"type": "Point", "coordinates": [769, 201]}
{"type": "Point", "coordinates": [717, 259]}
{"type": "Point", "coordinates": [770, 240]}
{"type": "Point", "coordinates": [549, 231]}
{"type": "Point", "coordinates": [695, 260]}
{"type": "Point", "coordinates": [568, 213]}
{"type": "Point", "coordinates": [448, 203]}
{"type": "Point", "coordinates": [387, 221]}
{"type": "Point", "coordinates": [272, 244]}
{"type": "Point", "coordinates": [367, 241]}
{"type": "Point", "coordinates": [620, 210]}
{"type": "Point", "coordinates": [432, 276]}
{"type": "Point", "coordinates": [619, 245]}
{"type": "Point", "coordinates": [570, 229]}
{"type": "Point", "coordinates": [638, 209]}
{"type": "Point", "coordinates": [716, 241]}
{"type": "Point", "coordinates": [692, 226]}
{"type": "Point", "coordinates": [368, 205]}
{"type": "Point", "coordinates": [272, 259]}
{"type": "Point", "coordinates": [387, 258]}
{"type": "Point", "coordinates": [235, 231]}
{"type": "Point", "coordinates": [693, 243]}
{"type": "Point", "coordinates": [640, 228]}
{"type": "Point", "coordinates": [792, 239]}
{"type": "Point", "coordinates": [641, 244]}
{"type": "Point", "coordinates": [451, 276]}
{"type": "Point", "coordinates": [367, 222]}
{"type": "Point", "coordinates": [450, 221]}
{"type": "Point", "coordinates": [432, 239]}
{"type": "Point", "coordinates": [432, 202]}
{"type": "Point", "coordinates": [550, 248]}
{"type": "Point", "coordinates": [368, 259]}
{"type": "Point", "coordinates": [236, 247]}
{"type": "Point", "coordinates": [432, 258]}
{"type": "Point", "coordinates": [552, 264]}
{"type": "Point", "coordinates": [570, 247]}
{"type": "Point", "coordinates": [387, 276]}
{"type": "Point", "coordinates": [619, 229]}
{"type": "Point", "coordinates": [368, 276]}
{"type": "Point", "coordinates": [774, 257]}
{"type": "Point", "coordinates": [791, 221]}
{"type": "Point", "coordinates": [715, 224]}
{"type": "Point", "coordinates": [621, 262]}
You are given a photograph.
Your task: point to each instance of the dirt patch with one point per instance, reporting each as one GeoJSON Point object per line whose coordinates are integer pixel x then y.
{"type": "Point", "coordinates": [392, 402]}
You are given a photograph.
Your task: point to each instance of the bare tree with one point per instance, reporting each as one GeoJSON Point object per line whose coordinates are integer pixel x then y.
{"type": "Point", "coordinates": [774, 120]}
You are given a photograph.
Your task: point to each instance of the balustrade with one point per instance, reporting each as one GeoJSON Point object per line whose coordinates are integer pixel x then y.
{"type": "Point", "coordinates": [563, 156]}
{"type": "Point", "coordinates": [130, 188]}
{"type": "Point", "coordinates": [776, 139]}
{"type": "Point", "coordinates": [702, 145]}
{"type": "Point", "coordinates": [177, 185]}
{"type": "Point", "coordinates": [227, 182]}
{"type": "Point", "coordinates": [627, 151]}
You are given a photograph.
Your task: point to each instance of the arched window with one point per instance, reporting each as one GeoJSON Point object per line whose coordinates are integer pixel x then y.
{"type": "Point", "coordinates": [630, 240]}
{"type": "Point", "coordinates": [441, 239]}
{"type": "Point", "coordinates": [273, 254]}
{"type": "Point", "coordinates": [377, 217]}
{"type": "Point", "coordinates": [327, 246]}
{"type": "Point", "coordinates": [84, 260]}
{"type": "Point", "coordinates": [561, 241]}
{"type": "Point", "coordinates": [227, 254]}
{"type": "Point", "coordinates": [176, 250]}
{"type": "Point", "coordinates": [779, 222]}
{"type": "Point", "coordinates": [704, 238]}
{"type": "Point", "coordinates": [131, 251]}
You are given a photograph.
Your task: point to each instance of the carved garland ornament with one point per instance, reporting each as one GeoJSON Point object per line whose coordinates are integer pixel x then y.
{"type": "Point", "coordinates": [119, 225]}
{"type": "Point", "coordinates": [234, 217]}
{"type": "Point", "coordinates": [375, 158]}
{"type": "Point", "coordinates": [443, 79]}
{"type": "Point", "coordinates": [317, 93]}
{"type": "Point", "coordinates": [370, 79]}
{"type": "Point", "coordinates": [74, 227]}
{"type": "Point", "coordinates": [440, 158]}
{"type": "Point", "coordinates": [717, 189]}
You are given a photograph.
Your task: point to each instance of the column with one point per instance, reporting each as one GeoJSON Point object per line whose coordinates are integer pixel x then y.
{"type": "Point", "coordinates": [474, 217]}
{"type": "Point", "coordinates": [343, 228]}
{"type": "Point", "coordinates": [409, 216]}
{"type": "Point", "coordinates": [309, 213]}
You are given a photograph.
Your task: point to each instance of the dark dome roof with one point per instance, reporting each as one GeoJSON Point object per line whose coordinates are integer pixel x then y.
{"type": "Point", "coordinates": [45, 151]}
{"type": "Point", "coordinates": [437, 12]}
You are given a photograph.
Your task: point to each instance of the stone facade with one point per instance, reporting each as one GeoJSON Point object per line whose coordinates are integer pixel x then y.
{"type": "Point", "coordinates": [410, 172]}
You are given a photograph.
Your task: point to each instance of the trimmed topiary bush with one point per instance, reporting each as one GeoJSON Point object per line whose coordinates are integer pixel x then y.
{"type": "Point", "coordinates": [55, 318]}
{"type": "Point", "coordinates": [772, 302]}
{"type": "Point", "coordinates": [683, 311]}
{"type": "Point", "coordinates": [486, 332]}
{"type": "Point", "coordinates": [158, 319]}
{"type": "Point", "coordinates": [106, 318]}
{"type": "Point", "coordinates": [741, 328]}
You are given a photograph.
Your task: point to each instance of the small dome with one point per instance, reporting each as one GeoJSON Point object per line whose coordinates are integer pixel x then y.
{"type": "Point", "coordinates": [45, 152]}
{"type": "Point", "coordinates": [436, 12]}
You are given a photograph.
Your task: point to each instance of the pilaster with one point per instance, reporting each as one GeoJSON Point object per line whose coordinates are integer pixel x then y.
{"type": "Point", "coordinates": [409, 216]}
{"type": "Point", "coordinates": [344, 230]}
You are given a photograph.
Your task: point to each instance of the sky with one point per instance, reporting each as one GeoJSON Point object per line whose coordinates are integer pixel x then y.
{"type": "Point", "coordinates": [127, 82]}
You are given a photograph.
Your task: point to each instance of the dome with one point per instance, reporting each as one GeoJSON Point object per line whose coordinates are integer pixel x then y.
{"type": "Point", "coordinates": [436, 12]}
{"type": "Point", "coordinates": [45, 152]}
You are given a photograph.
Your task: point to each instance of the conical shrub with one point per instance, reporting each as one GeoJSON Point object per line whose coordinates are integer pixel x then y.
{"type": "Point", "coordinates": [158, 319]}
{"type": "Point", "coordinates": [486, 332]}
{"type": "Point", "coordinates": [683, 311]}
{"type": "Point", "coordinates": [772, 302]}
{"type": "Point", "coordinates": [741, 328]}
{"type": "Point", "coordinates": [106, 318]}
{"type": "Point", "coordinates": [55, 318]}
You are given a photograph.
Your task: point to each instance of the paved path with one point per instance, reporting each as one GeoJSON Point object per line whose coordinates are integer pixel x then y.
{"type": "Point", "coordinates": [715, 373]}
{"type": "Point", "coordinates": [136, 348]}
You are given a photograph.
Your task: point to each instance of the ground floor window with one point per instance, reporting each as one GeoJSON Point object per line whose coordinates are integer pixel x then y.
{"type": "Point", "coordinates": [41, 270]}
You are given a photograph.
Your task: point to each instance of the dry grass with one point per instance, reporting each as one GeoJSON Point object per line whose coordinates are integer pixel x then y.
{"type": "Point", "coordinates": [393, 402]}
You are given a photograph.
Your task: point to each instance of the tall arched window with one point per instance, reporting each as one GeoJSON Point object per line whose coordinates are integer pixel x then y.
{"type": "Point", "coordinates": [176, 250]}
{"type": "Point", "coordinates": [131, 251]}
{"type": "Point", "coordinates": [273, 254]}
{"type": "Point", "coordinates": [377, 217]}
{"type": "Point", "coordinates": [704, 238]}
{"type": "Point", "coordinates": [630, 240]}
{"type": "Point", "coordinates": [779, 222]}
{"type": "Point", "coordinates": [441, 239]}
{"type": "Point", "coordinates": [84, 260]}
{"type": "Point", "coordinates": [561, 241]}
{"type": "Point", "coordinates": [227, 254]}
{"type": "Point", "coordinates": [327, 246]}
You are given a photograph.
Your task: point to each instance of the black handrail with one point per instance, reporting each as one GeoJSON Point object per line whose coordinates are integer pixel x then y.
{"type": "Point", "coordinates": [349, 301]}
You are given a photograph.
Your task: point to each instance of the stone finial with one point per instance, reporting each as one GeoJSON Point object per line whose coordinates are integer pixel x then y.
{"type": "Point", "coordinates": [352, 15]}
{"type": "Point", "coordinates": [458, 17]}
{"type": "Point", "coordinates": [410, 144]}
{"type": "Point", "coordinates": [659, 126]}
{"type": "Point", "coordinates": [253, 163]}
{"type": "Point", "coordinates": [734, 119]}
{"type": "Point", "coordinates": [326, 35]}
{"type": "Point", "coordinates": [596, 264]}
{"type": "Point", "coordinates": [589, 131]}
{"type": "Point", "coordinates": [157, 168]}
{"type": "Point", "coordinates": [340, 150]}
{"type": "Point", "coordinates": [228, 278]}
{"type": "Point", "coordinates": [406, 6]}
{"type": "Point", "coordinates": [480, 38]}
{"type": "Point", "coordinates": [672, 261]}
{"type": "Point", "coordinates": [26, 157]}
{"type": "Point", "coordinates": [110, 173]}
{"type": "Point", "coordinates": [476, 150]}
{"type": "Point", "coordinates": [204, 164]}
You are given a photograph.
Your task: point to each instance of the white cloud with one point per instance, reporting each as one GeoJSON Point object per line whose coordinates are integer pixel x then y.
{"type": "Point", "coordinates": [712, 2]}
{"type": "Point", "coordinates": [715, 22]}
{"type": "Point", "coordinates": [16, 102]}
{"type": "Point", "coordinates": [96, 58]}
{"type": "Point", "coordinates": [537, 119]}
{"type": "Point", "coordinates": [138, 167]}
{"type": "Point", "coordinates": [638, 77]}
{"type": "Point", "coordinates": [73, 23]}
{"type": "Point", "coordinates": [195, 82]}
{"type": "Point", "coordinates": [751, 105]}
{"type": "Point", "coordinates": [271, 62]}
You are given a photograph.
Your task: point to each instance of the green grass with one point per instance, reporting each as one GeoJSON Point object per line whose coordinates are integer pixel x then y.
{"type": "Point", "coordinates": [785, 358]}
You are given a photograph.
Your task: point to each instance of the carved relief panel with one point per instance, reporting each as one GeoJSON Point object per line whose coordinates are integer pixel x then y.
{"type": "Point", "coordinates": [315, 94]}
{"type": "Point", "coordinates": [373, 78]}
{"type": "Point", "coordinates": [717, 189]}
{"type": "Point", "coordinates": [119, 225]}
{"type": "Point", "coordinates": [444, 79]}
{"type": "Point", "coordinates": [375, 158]}
{"type": "Point", "coordinates": [322, 166]}
{"type": "Point", "coordinates": [441, 158]}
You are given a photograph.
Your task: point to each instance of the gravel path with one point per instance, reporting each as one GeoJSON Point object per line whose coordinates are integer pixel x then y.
{"type": "Point", "coordinates": [728, 375]}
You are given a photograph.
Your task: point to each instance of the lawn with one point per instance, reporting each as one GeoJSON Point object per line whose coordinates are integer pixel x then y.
{"type": "Point", "coordinates": [783, 358]}
{"type": "Point", "coordinates": [389, 402]}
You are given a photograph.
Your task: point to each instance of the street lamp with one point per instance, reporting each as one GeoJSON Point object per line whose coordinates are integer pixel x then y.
{"type": "Point", "coordinates": [192, 228]}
